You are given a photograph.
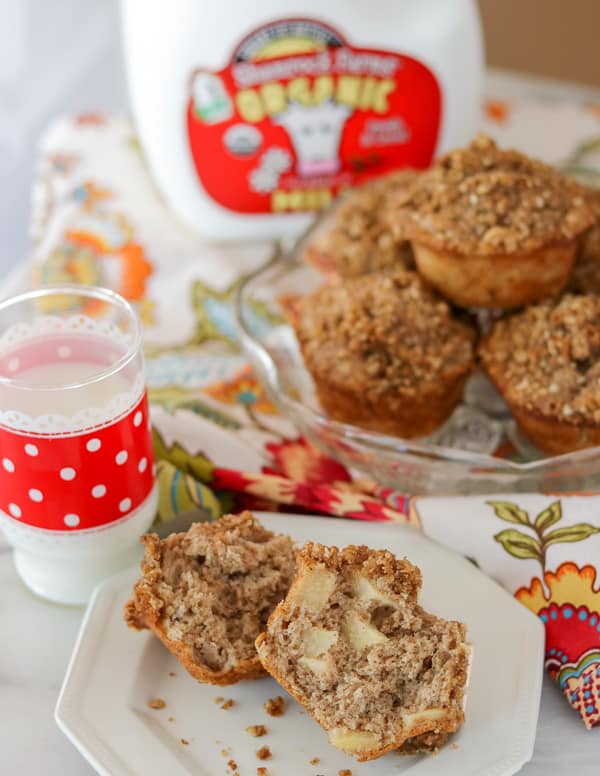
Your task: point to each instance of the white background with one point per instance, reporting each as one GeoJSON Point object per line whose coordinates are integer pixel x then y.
{"type": "Point", "coordinates": [56, 56]}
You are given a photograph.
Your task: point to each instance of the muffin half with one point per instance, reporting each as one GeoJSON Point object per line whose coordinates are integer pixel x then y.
{"type": "Point", "coordinates": [385, 352]}
{"type": "Point", "coordinates": [352, 645]}
{"type": "Point", "coordinates": [545, 361]}
{"type": "Point", "coordinates": [493, 228]}
{"type": "Point", "coordinates": [359, 238]}
{"type": "Point", "coordinates": [207, 594]}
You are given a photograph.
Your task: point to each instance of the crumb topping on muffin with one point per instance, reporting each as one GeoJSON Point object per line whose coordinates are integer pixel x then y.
{"type": "Point", "coordinates": [360, 238]}
{"type": "Point", "coordinates": [547, 358]}
{"type": "Point", "coordinates": [585, 277]}
{"type": "Point", "coordinates": [382, 332]}
{"type": "Point", "coordinates": [485, 200]}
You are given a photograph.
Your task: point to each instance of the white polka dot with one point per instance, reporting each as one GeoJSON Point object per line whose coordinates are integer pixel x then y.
{"type": "Point", "coordinates": [36, 495]}
{"type": "Point", "coordinates": [125, 504]}
{"type": "Point", "coordinates": [68, 473]}
{"type": "Point", "coordinates": [121, 457]}
{"type": "Point", "coordinates": [8, 464]}
{"type": "Point", "coordinates": [13, 364]}
{"type": "Point", "coordinates": [142, 465]}
{"type": "Point", "coordinates": [98, 491]}
{"type": "Point", "coordinates": [71, 520]}
{"type": "Point", "coordinates": [137, 418]}
{"type": "Point", "coordinates": [31, 450]}
{"type": "Point", "coordinates": [93, 445]}
{"type": "Point", "coordinates": [14, 510]}
{"type": "Point", "coordinates": [64, 351]}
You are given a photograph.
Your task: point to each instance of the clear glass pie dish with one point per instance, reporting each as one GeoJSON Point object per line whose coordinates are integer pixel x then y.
{"type": "Point", "coordinates": [478, 450]}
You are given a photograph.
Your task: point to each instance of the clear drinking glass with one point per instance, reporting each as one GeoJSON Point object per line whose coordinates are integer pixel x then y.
{"type": "Point", "coordinates": [76, 465]}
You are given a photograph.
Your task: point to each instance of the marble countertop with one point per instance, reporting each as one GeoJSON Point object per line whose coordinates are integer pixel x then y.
{"type": "Point", "coordinates": [37, 644]}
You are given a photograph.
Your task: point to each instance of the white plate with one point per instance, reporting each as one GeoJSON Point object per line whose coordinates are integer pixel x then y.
{"type": "Point", "coordinates": [114, 671]}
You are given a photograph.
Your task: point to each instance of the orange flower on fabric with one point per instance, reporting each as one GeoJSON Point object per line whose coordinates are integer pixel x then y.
{"type": "Point", "coordinates": [243, 388]}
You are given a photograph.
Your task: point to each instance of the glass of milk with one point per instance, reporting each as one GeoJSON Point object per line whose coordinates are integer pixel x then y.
{"type": "Point", "coordinates": [76, 466]}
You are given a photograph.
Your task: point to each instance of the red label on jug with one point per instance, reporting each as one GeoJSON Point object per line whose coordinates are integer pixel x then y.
{"type": "Point", "coordinates": [298, 115]}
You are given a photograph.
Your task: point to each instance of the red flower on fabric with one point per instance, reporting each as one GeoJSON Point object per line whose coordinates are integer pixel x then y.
{"type": "Point", "coordinates": [301, 461]}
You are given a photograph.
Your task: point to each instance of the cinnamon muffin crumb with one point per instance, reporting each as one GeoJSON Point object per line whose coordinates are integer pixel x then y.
{"type": "Point", "coordinates": [256, 731]}
{"type": "Point", "coordinates": [156, 703]}
{"type": "Point", "coordinates": [264, 753]}
{"type": "Point", "coordinates": [275, 707]}
{"type": "Point", "coordinates": [228, 704]}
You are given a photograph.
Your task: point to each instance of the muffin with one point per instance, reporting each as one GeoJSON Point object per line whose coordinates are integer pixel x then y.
{"type": "Point", "coordinates": [385, 352]}
{"type": "Point", "coordinates": [585, 277]}
{"type": "Point", "coordinates": [352, 645]}
{"type": "Point", "coordinates": [545, 361]}
{"type": "Point", "coordinates": [358, 238]}
{"type": "Point", "coordinates": [207, 594]}
{"type": "Point", "coordinates": [493, 228]}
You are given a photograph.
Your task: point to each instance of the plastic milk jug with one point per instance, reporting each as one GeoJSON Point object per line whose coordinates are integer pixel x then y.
{"type": "Point", "coordinates": [254, 114]}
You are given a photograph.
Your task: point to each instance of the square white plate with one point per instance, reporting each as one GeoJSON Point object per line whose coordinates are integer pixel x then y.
{"type": "Point", "coordinates": [114, 672]}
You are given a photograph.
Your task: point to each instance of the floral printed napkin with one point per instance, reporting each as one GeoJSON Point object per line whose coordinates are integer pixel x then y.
{"type": "Point", "coordinates": [220, 443]}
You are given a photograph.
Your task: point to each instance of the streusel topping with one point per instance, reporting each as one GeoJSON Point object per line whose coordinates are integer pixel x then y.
{"type": "Point", "coordinates": [485, 200]}
{"type": "Point", "coordinates": [360, 238]}
{"type": "Point", "coordinates": [383, 331]}
{"type": "Point", "coordinates": [546, 359]}
{"type": "Point", "coordinates": [585, 277]}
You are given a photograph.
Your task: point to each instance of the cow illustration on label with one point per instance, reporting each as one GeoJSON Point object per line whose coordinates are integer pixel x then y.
{"type": "Point", "coordinates": [298, 114]}
{"type": "Point", "coordinates": [315, 133]}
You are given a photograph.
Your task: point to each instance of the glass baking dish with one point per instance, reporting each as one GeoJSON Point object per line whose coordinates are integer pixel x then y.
{"type": "Point", "coordinates": [478, 450]}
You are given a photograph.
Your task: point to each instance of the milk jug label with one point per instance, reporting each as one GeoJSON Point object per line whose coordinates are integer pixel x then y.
{"type": "Point", "coordinates": [299, 114]}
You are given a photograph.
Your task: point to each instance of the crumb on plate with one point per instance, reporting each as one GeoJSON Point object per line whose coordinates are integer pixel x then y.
{"type": "Point", "coordinates": [184, 741]}
{"type": "Point", "coordinates": [264, 753]}
{"type": "Point", "coordinates": [219, 699]}
{"type": "Point", "coordinates": [257, 730]}
{"type": "Point", "coordinates": [156, 703]}
{"type": "Point", "coordinates": [275, 707]}
{"type": "Point", "coordinates": [228, 704]}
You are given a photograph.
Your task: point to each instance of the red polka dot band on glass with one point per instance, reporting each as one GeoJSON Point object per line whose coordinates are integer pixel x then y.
{"type": "Point", "coordinates": [76, 464]}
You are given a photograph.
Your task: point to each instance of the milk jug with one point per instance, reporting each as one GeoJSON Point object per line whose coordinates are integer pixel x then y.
{"type": "Point", "coordinates": [255, 115]}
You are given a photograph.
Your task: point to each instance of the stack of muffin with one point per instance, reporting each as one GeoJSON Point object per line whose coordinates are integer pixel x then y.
{"type": "Point", "coordinates": [391, 337]}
